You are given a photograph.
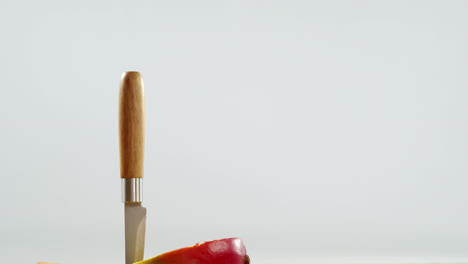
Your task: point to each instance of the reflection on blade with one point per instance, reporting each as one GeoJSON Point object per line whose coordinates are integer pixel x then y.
{"type": "Point", "coordinates": [135, 222]}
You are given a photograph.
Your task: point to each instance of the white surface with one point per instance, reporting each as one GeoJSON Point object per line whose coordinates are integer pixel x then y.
{"type": "Point", "coordinates": [332, 130]}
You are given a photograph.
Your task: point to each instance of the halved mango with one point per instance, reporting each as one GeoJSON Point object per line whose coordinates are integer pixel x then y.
{"type": "Point", "coordinates": [228, 250]}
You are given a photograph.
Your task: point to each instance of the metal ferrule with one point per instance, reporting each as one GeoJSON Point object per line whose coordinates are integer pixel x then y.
{"type": "Point", "coordinates": [132, 190]}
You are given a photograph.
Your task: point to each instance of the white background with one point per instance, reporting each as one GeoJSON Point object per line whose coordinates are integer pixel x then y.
{"type": "Point", "coordinates": [316, 131]}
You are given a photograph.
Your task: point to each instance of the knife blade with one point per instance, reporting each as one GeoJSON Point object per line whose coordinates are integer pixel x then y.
{"type": "Point", "coordinates": [135, 222]}
{"type": "Point", "coordinates": [131, 142]}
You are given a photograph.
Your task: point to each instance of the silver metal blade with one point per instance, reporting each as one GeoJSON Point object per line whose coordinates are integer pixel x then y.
{"type": "Point", "coordinates": [135, 224]}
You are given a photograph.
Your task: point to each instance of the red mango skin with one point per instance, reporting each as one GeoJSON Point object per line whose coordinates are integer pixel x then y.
{"type": "Point", "coordinates": [223, 251]}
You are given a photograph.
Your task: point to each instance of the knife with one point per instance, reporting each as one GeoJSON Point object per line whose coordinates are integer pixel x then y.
{"type": "Point", "coordinates": [132, 144]}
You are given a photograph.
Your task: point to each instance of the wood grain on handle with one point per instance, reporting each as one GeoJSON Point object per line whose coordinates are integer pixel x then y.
{"type": "Point", "coordinates": [131, 125]}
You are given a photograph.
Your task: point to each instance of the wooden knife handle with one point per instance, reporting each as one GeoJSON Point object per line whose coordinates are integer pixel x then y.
{"type": "Point", "coordinates": [131, 125]}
